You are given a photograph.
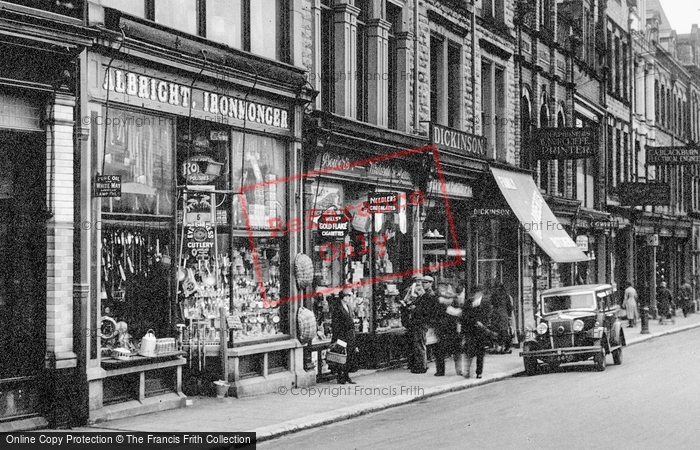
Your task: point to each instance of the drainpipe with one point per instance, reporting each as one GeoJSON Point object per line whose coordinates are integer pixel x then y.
{"type": "Point", "coordinates": [415, 67]}
{"type": "Point", "coordinates": [473, 3]}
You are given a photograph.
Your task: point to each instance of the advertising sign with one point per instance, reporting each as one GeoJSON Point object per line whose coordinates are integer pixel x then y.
{"type": "Point", "coordinates": [108, 186]}
{"type": "Point", "coordinates": [660, 156]}
{"type": "Point", "coordinates": [564, 143]}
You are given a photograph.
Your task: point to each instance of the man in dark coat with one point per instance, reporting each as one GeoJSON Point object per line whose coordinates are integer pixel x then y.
{"type": "Point", "coordinates": [414, 316]}
{"type": "Point", "coordinates": [445, 325]}
{"type": "Point", "coordinates": [685, 295]}
{"type": "Point", "coordinates": [477, 335]}
{"type": "Point", "coordinates": [664, 301]}
{"type": "Point", "coordinates": [343, 328]}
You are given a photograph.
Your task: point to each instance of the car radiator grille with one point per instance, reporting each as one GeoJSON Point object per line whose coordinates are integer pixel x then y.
{"type": "Point", "coordinates": [560, 330]}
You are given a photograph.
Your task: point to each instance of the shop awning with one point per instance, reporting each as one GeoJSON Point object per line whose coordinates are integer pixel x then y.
{"type": "Point", "coordinates": [534, 215]}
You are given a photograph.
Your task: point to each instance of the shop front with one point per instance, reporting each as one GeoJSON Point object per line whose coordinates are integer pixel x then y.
{"type": "Point", "coordinates": [186, 172]}
{"type": "Point", "coordinates": [38, 361]}
{"type": "Point", "coordinates": [547, 245]}
{"type": "Point", "coordinates": [367, 181]}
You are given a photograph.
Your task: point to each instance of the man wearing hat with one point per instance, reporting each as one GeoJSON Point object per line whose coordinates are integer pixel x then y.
{"type": "Point", "coordinates": [343, 328]}
{"type": "Point", "coordinates": [415, 311]}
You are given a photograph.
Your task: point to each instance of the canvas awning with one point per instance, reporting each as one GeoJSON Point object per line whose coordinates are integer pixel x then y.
{"type": "Point", "coordinates": [537, 219]}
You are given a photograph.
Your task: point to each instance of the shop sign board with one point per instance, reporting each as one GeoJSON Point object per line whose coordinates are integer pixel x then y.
{"type": "Point", "coordinates": [382, 202]}
{"type": "Point", "coordinates": [217, 107]}
{"type": "Point", "coordinates": [341, 164]}
{"type": "Point", "coordinates": [641, 194]}
{"type": "Point", "coordinates": [333, 223]}
{"type": "Point", "coordinates": [457, 141]}
{"type": "Point", "coordinates": [667, 156]}
{"type": "Point", "coordinates": [606, 225]}
{"type": "Point", "coordinates": [564, 143]}
{"type": "Point", "coordinates": [108, 186]}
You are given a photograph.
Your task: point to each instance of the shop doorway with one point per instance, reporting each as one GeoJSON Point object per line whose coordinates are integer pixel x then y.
{"type": "Point", "coordinates": [22, 271]}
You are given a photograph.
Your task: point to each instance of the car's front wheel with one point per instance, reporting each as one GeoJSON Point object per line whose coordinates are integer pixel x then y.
{"type": "Point", "coordinates": [599, 358]}
{"type": "Point", "coordinates": [617, 356]}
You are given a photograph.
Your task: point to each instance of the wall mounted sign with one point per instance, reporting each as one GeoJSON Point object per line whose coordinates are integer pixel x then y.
{"type": "Point", "coordinates": [564, 143]}
{"type": "Point", "coordinates": [342, 164]}
{"type": "Point", "coordinates": [108, 186]}
{"type": "Point", "coordinates": [644, 194]}
{"type": "Point", "coordinates": [221, 107]}
{"type": "Point", "coordinates": [457, 141]}
{"type": "Point", "coordinates": [673, 155]}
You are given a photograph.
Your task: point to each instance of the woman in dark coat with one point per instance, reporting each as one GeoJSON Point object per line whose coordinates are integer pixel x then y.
{"type": "Point", "coordinates": [664, 301]}
{"type": "Point", "coordinates": [500, 318]}
{"type": "Point", "coordinates": [477, 335]}
{"type": "Point", "coordinates": [343, 328]}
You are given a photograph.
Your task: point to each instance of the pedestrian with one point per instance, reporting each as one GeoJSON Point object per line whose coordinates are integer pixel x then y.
{"type": "Point", "coordinates": [414, 319]}
{"type": "Point", "coordinates": [630, 304]}
{"type": "Point", "coordinates": [685, 294]}
{"type": "Point", "coordinates": [477, 335]}
{"type": "Point", "coordinates": [343, 329]}
{"type": "Point", "coordinates": [445, 325]}
{"type": "Point", "coordinates": [664, 300]}
{"type": "Point", "coordinates": [502, 308]}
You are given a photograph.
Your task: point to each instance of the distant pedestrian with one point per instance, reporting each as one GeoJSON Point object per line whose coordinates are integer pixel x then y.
{"type": "Point", "coordinates": [502, 308]}
{"type": "Point", "coordinates": [343, 329]}
{"type": "Point", "coordinates": [630, 304]}
{"type": "Point", "coordinates": [664, 302]}
{"type": "Point", "coordinates": [685, 295]}
{"type": "Point", "coordinates": [477, 335]}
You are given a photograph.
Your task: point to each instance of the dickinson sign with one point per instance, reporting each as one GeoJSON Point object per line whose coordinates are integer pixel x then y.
{"type": "Point", "coordinates": [564, 143]}
{"type": "Point", "coordinates": [673, 155]}
{"type": "Point", "coordinates": [644, 194]}
{"type": "Point", "coordinates": [457, 141]}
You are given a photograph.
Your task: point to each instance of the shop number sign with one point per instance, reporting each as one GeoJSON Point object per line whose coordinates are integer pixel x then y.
{"type": "Point", "coordinates": [108, 186]}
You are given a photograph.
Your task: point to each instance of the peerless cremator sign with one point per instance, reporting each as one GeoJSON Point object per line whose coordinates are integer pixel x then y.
{"type": "Point", "coordinates": [673, 155]}
{"type": "Point", "coordinates": [564, 143]}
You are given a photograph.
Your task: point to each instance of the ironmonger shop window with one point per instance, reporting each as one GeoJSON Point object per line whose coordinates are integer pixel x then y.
{"type": "Point", "coordinates": [137, 233]}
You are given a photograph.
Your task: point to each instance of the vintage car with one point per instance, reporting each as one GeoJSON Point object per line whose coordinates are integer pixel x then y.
{"type": "Point", "coordinates": [576, 323]}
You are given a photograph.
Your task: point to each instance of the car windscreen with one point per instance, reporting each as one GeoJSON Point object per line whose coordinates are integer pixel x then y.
{"type": "Point", "coordinates": [569, 301]}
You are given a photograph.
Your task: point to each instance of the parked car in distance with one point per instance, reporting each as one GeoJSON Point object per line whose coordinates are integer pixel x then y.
{"type": "Point", "coordinates": [576, 323]}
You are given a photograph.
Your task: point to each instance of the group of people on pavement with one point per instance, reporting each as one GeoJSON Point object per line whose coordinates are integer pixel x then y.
{"type": "Point", "coordinates": [464, 327]}
{"type": "Point", "coordinates": [666, 306]}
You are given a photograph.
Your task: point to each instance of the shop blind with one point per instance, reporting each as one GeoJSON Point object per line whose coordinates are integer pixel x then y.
{"type": "Point", "coordinates": [17, 113]}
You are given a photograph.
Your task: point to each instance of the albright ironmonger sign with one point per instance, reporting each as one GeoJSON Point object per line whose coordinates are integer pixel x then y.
{"type": "Point", "coordinates": [564, 143]}
{"type": "Point", "coordinates": [673, 155]}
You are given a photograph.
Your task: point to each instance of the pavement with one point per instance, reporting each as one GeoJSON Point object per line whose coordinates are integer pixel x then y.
{"type": "Point", "coordinates": [295, 409]}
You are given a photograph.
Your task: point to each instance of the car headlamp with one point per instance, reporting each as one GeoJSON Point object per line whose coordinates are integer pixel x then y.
{"type": "Point", "coordinates": [542, 328]}
{"type": "Point", "coordinates": [578, 325]}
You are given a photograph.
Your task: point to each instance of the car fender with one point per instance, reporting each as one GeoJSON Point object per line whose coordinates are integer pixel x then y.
{"type": "Point", "coordinates": [616, 331]}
